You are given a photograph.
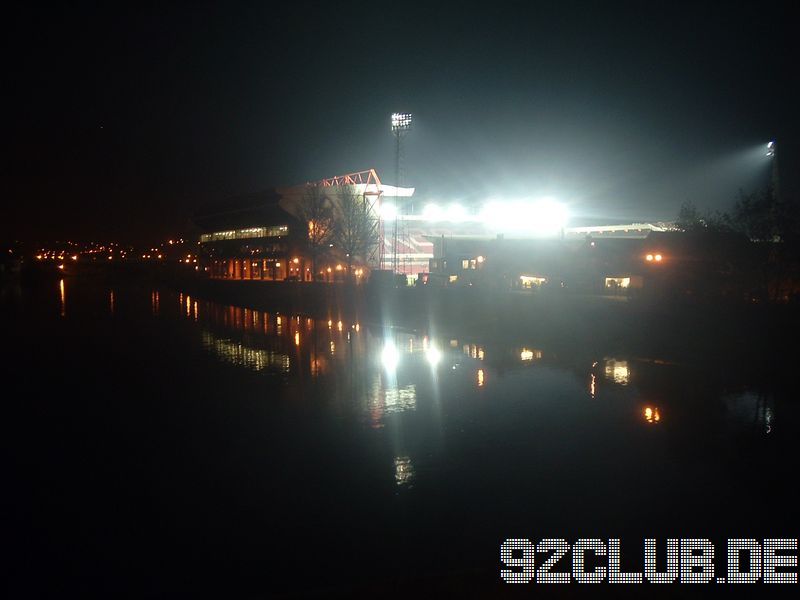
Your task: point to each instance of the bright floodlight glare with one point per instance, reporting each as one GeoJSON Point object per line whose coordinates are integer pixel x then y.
{"type": "Point", "coordinates": [433, 355]}
{"type": "Point", "coordinates": [549, 215]}
{"type": "Point", "coordinates": [456, 213]}
{"type": "Point", "coordinates": [389, 356]}
{"type": "Point", "coordinates": [771, 149]}
{"type": "Point", "coordinates": [388, 212]}
{"type": "Point", "coordinates": [540, 218]}
{"type": "Point", "coordinates": [401, 121]}
{"type": "Point", "coordinates": [433, 212]}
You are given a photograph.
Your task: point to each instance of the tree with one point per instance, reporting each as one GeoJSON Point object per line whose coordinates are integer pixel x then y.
{"type": "Point", "coordinates": [690, 219]}
{"type": "Point", "coordinates": [354, 231]}
{"type": "Point", "coordinates": [765, 217]}
{"type": "Point", "coordinates": [762, 217]}
{"type": "Point", "coordinates": [316, 211]}
{"type": "Point", "coordinates": [771, 223]}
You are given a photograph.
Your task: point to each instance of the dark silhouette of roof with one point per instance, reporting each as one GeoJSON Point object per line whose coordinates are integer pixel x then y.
{"type": "Point", "coordinates": [239, 212]}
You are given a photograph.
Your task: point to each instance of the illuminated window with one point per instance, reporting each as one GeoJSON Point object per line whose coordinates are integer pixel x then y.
{"type": "Point", "coordinates": [243, 234]}
{"type": "Point", "coordinates": [465, 264]}
{"type": "Point", "coordinates": [613, 283]}
{"type": "Point", "coordinates": [527, 354]}
{"type": "Point", "coordinates": [530, 281]}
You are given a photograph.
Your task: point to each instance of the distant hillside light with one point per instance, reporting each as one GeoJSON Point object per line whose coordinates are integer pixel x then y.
{"type": "Point", "coordinates": [401, 121]}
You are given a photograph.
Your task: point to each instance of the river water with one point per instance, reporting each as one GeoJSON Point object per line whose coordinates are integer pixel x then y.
{"type": "Point", "coordinates": [169, 444]}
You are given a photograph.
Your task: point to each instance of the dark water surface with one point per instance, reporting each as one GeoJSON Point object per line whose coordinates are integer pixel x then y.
{"type": "Point", "coordinates": [169, 444]}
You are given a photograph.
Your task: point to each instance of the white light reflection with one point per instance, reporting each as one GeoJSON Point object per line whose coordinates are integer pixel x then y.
{"type": "Point", "coordinates": [403, 470]}
{"type": "Point", "coordinates": [390, 357]}
{"type": "Point", "coordinates": [617, 371]}
{"type": "Point", "coordinates": [433, 355]}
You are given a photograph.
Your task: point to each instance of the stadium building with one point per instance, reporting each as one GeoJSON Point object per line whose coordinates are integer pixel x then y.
{"type": "Point", "coordinates": [522, 246]}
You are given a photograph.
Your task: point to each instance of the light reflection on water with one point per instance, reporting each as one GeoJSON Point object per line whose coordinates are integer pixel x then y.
{"type": "Point", "coordinates": [240, 355]}
{"type": "Point", "coordinates": [751, 410]}
{"type": "Point", "coordinates": [391, 362]}
{"type": "Point", "coordinates": [340, 352]}
{"type": "Point", "coordinates": [299, 417]}
{"type": "Point", "coordinates": [62, 297]}
{"type": "Point", "coordinates": [203, 409]}
{"type": "Point", "coordinates": [403, 470]}
{"type": "Point", "coordinates": [301, 346]}
{"type": "Point", "coordinates": [347, 361]}
{"type": "Point", "coordinates": [617, 371]}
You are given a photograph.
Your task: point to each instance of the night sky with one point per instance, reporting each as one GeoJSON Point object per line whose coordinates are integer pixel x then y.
{"type": "Point", "coordinates": [122, 122]}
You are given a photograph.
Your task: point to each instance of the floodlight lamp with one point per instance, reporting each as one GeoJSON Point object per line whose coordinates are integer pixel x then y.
{"type": "Point", "coordinates": [401, 121]}
{"type": "Point", "coordinates": [771, 149]}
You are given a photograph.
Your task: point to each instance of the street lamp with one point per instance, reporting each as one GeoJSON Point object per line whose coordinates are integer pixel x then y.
{"type": "Point", "coordinates": [771, 149]}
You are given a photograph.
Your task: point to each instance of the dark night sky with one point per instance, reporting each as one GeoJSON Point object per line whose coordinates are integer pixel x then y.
{"type": "Point", "coordinates": [122, 122]}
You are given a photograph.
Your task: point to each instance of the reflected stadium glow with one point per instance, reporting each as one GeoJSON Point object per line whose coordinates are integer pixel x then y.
{"type": "Point", "coordinates": [390, 357]}
{"type": "Point", "coordinates": [403, 470]}
{"type": "Point", "coordinates": [433, 355]}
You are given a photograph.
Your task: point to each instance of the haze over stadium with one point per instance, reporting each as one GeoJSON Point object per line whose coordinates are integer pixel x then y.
{"type": "Point", "coordinates": [618, 113]}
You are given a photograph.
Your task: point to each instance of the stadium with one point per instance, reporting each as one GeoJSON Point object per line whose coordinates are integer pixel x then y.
{"type": "Point", "coordinates": [266, 235]}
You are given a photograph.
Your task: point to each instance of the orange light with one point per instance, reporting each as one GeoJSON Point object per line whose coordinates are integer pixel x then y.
{"type": "Point", "coordinates": [652, 415]}
{"type": "Point", "coordinates": [295, 260]}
